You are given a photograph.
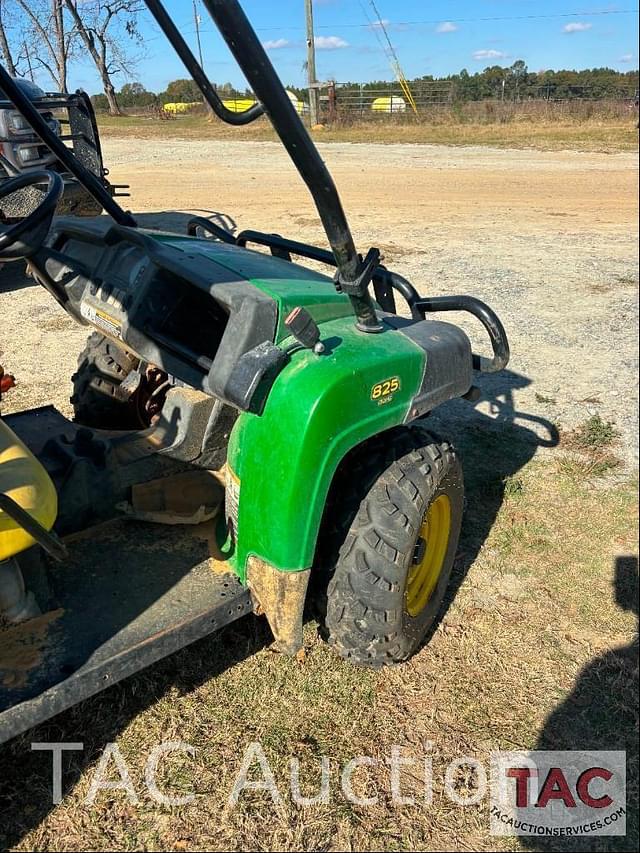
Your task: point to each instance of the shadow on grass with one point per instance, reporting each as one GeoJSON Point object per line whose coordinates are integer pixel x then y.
{"type": "Point", "coordinates": [601, 713]}
{"type": "Point", "coordinates": [493, 448]}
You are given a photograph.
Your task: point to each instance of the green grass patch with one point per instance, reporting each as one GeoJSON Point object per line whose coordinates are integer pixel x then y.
{"type": "Point", "coordinates": [590, 453]}
{"type": "Point", "coordinates": [583, 469]}
{"type": "Point", "coordinates": [594, 434]}
{"type": "Point", "coordinates": [541, 398]}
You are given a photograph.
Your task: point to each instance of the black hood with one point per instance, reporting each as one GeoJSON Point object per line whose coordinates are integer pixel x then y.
{"type": "Point", "coordinates": [30, 89]}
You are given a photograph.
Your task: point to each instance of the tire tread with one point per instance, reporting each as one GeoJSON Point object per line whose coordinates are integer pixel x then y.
{"type": "Point", "coordinates": [397, 479]}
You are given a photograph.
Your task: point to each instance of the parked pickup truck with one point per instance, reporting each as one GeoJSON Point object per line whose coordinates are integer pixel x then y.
{"type": "Point", "coordinates": [72, 118]}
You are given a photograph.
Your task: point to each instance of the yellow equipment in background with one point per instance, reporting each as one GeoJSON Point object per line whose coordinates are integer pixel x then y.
{"type": "Point", "coordinates": [180, 107]}
{"type": "Point", "coordinates": [238, 105]}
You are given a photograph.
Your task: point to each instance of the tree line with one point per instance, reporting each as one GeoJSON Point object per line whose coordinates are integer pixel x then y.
{"type": "Point", "coordinates": [517, 83]}
{"type": "Point", "coordinates": [513, 83]}
{"type": "Point", "coordinates": [136, 96]}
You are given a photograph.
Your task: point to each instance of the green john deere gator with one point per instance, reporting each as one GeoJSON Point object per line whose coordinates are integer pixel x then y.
{"type": "Point", "coordinates": [279, 410]}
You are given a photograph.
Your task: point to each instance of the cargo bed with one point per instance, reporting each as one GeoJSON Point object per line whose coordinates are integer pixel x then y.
{"type": "Point", "coordinates": [129, 594]}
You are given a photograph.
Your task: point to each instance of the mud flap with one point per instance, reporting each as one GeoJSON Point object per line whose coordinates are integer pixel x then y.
{"type": "Point", "coordinates": [280, 596]}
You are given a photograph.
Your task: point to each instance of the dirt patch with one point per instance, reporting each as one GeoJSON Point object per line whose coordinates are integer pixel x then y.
{"type": "Point", "coordinates": [547, 239]}
{"type": "Point", "coordinates": [21, 648]}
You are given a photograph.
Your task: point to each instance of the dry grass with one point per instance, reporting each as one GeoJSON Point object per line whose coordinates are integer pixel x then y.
{"type": "Point", "coordinates": [536, 648]}
{"type": "Point", "coordinates": [598, 134]}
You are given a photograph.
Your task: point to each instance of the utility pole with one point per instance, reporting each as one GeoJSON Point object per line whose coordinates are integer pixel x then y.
{"type": "Point", "coordinates": [311, 65]}
{"type": "Point", "coordinates": [196, 18]}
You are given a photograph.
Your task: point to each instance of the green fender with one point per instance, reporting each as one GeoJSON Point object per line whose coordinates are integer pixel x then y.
{"type": "Point", "coordinates": [320, 407]}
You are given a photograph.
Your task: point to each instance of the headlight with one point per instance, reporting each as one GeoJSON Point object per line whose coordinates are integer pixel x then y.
{"type": "Point", "coordinates": [28, 154]}
{"type": "Point", "coordinates": [17, 122]}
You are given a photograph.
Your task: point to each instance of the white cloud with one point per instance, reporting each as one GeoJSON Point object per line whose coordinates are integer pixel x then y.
{"type": "Point", "coordinates": [330, 42]}
{"type": "Point", "coordinates": [276, 44]}
{"type": "Point", "coordinates": [446, 27]}
{"type": "Point", "coordinates": [489, 54]}
{"type": "Point", "coordinates": [576, 27]}
{"type": "Point", "coordinates": [386, 24]}
{"type": "Point", "coordinates": [626, 57]}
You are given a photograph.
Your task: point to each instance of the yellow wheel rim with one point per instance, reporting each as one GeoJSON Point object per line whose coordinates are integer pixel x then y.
{"type": "Point", "coordinates": [424, 574]}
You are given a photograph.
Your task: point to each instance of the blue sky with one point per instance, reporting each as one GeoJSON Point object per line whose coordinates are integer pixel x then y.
{"type": "Point", "coordinates": [430, 38]}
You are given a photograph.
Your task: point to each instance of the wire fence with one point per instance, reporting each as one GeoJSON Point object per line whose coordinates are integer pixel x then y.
{"type": "Point", "coordinates": [363, 102]}
{"type": "Point", "coordinates": [351, 103]}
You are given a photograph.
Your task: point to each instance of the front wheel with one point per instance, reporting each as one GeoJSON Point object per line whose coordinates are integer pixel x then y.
{"type": "Point", "coordinates": [102, 367]}
{"type": "Point", "coordinates": [396, 555]}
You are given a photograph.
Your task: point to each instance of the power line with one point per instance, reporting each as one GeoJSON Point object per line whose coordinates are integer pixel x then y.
{"type": "Point", "coordinates": [186, 28]}
{"type": "Point", "coordinates": [392, 56]}
{"type": "Point", "coordinates": [466, 20]}
{"type": "Point", "coordinates": [433, 21]}
{"type": "Point", "coordinates": [495, 18]}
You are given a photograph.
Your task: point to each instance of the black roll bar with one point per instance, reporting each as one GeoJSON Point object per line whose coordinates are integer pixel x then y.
{"type": "Point", "coordinates": [195, 69]}
{"type": "Point", "coordinates": [488, 318]}
{"type": "Point", "coordinates": [71, 163]}
{"type": "Point", "coordinates": [353, 273]}
{"type": "Point", "coordinates": [384, 282]}
{"type": "Point", "coordinates": [252, 58]}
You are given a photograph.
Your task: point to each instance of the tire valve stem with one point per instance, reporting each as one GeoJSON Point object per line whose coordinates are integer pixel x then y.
{"type": "Point", "coordinates": [418, 554]}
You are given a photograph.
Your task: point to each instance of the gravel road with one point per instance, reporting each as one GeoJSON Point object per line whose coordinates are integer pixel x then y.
{"type": "Point", "coordinates": [548, 239]}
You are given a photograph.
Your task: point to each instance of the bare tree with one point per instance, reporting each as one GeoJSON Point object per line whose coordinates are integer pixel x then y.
{"type": "Point", "coordinates": [5, 49]}
{"type": "Point", "coordinates": [55, 40]}
{"type": "Point", "coordinates": [102, 24]}
{"type": "Point", "coordinates": [62, 42]}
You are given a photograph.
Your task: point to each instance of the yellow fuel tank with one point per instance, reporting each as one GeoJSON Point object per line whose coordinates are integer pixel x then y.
{"type": "Point", "coordinates": [24, 479]}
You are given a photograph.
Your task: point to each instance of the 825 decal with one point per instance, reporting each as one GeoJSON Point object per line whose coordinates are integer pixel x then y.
{"type": "Point", "coordinates": [383, 391]}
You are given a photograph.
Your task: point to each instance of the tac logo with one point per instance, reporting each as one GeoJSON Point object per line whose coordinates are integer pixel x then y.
{"type": "Point", "coordinates": [553, 793]}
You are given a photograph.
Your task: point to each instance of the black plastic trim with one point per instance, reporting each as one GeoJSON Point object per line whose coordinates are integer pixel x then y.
{"type": "Point", "coordinates": [448, 370]}
{"type": "Point", "coordinates": [251, 314]}
{"type": "Point", "coordinates": [488, 318]}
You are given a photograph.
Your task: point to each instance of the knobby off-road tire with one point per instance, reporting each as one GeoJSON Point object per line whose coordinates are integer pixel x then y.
{"type": "Point", "coordinates": [390, 494]}
{"type": "Point", "coordinates": [102, 366]}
